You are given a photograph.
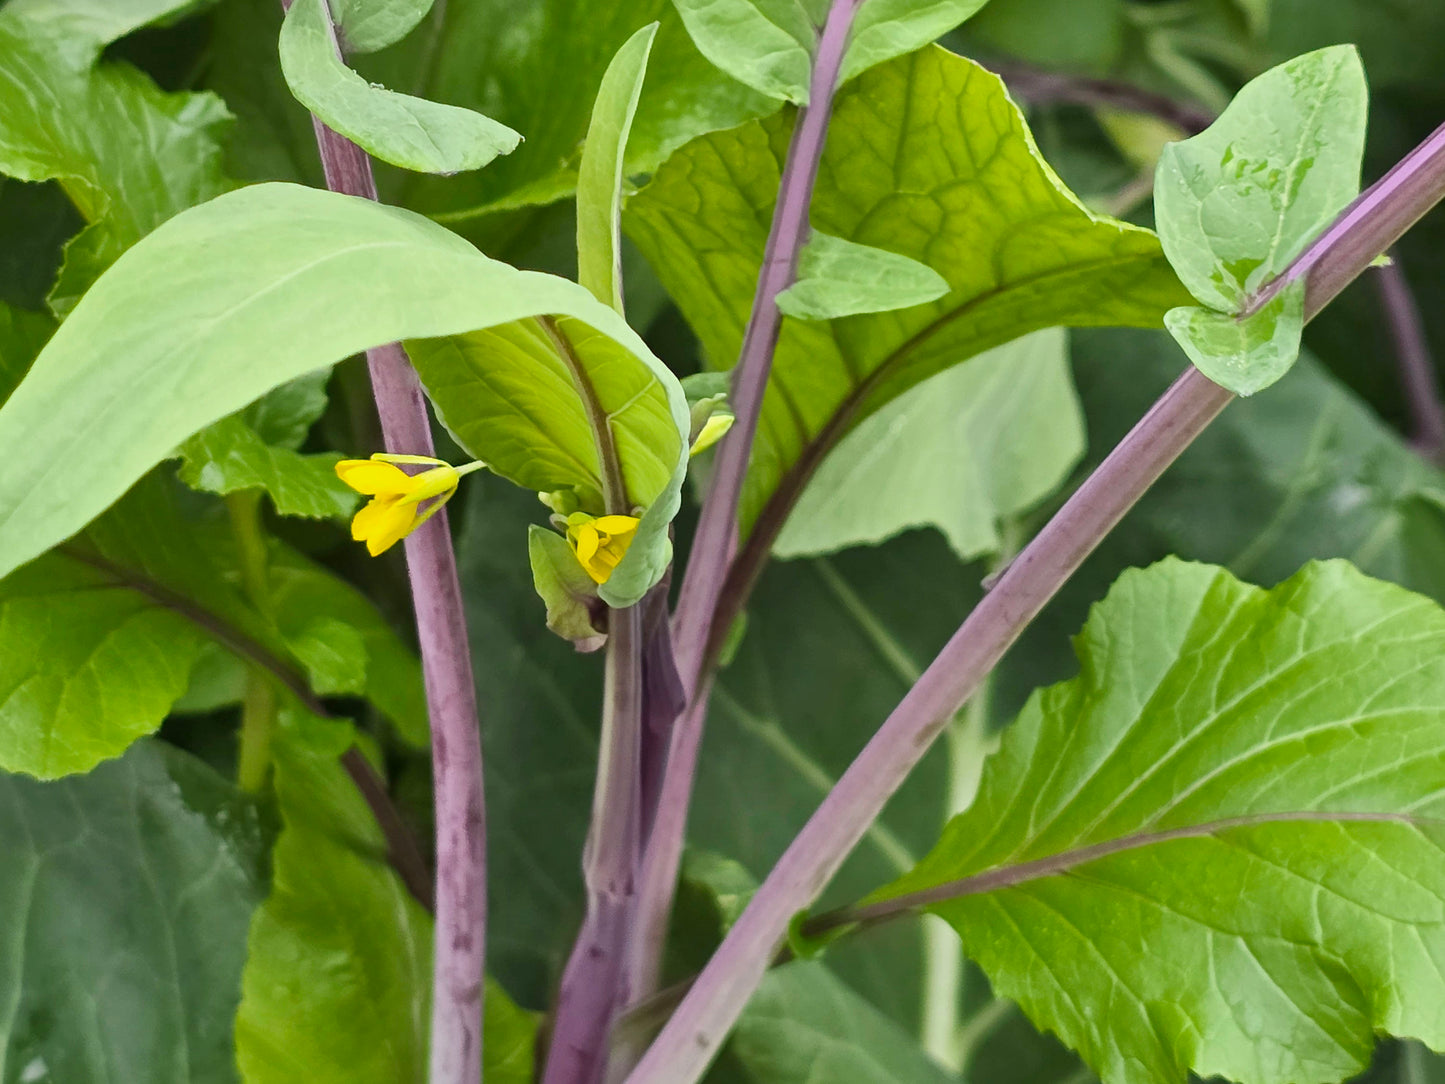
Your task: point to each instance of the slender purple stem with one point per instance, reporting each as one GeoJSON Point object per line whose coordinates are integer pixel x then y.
{"type": "Point", "coordinates": [459, 950]}
{"type": "Point", "coordinates": [692, 1036]}
{"type": "Point", "coordinates": [1417, 366]}
{"type": "Point", "coordinates": [715, 542]}
{"type": "Point", "coordinates": [1039, 85]}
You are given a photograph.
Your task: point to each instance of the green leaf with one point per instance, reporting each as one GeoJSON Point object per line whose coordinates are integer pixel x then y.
{"type": "Point", "coordinates": [599, 182]}
{"type": "Point", "coordinates": [884, 29]}
{"type": "Point", "coordinates": [928, 158]}
{"type": "Point", "coordinates": [563, 584]}
{"type": "Point", "coordinates": [764, 44]}
{"type": "Point", "coordinates": [840, 278]}
{"type": "Point", "coordinates": [128, 155]}
{"type": "Point", "coordinates": [805, 1025]}
{"type": "Point", "coordinates": [1236, 203]}
{"type": "Point", "coordinates": [364, 26]}
{"type": "Point", "coordinates": [101, 21]}
{"type": "Point", "coordinates": [1244, 354]}
{"type": "Point", "coordinates": [413, 133]}
{"type": "Point", "coordinates": [337, 979]}
{"type": "Point", "coordinates": [229, 456]}
{"type": "Point", "coordinates": [967, 448]}
{"type": "Point", "coordinates": [22, 334]}
{"type": "Point", "coordinates": [303, 278]}
{"type": "Point", "coordinates": [1282, 748]}
{"type": "Point", "coordinates": [125, 895]}
{"type": "Point", "coordinates": [86, 668]}
{"type": "Point", "coordinates": [1069, 34]}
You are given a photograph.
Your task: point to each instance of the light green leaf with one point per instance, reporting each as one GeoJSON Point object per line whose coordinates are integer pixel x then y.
{"type": "Point", "coordinates": [562, 583]}
{"type": "Point", "coordinates": [1236, 203]}
{"type": "Point", "coordinates": [127, 155]}
{"type": "Point", "coordinates": [338, 971]}
{"type": "Point", "coordinates": [413, 133]}
{"type": "Point", "coordinates": [86, 667]}
{"type": "Point", "coordinates": [364, 26]}
{"type": "Point", "coordinates": [764, 44]}
{"type": "Point", "coordinates": [125, 895]}
{"type": "Point", "coordinates": [884, 29]}
{"type": "Point", "coordinates": [101, 21]}
{"type": "Point", "coordinates": [961, 451]}
{"type": "Point", "coordinates": [840, 278]}
{"type": "Point", "coordinates": [927, 157]}
{"type": "Point", "coordinates": [1243, 354]}
{"type": "Point", "coordinates": [1237, 802]}
{"type": "Point", "coordinates": [599, 182]}
{"type": "Point", "coordinates": [229, 456]}
{"type": "Point", "coordinates": [355, 274]}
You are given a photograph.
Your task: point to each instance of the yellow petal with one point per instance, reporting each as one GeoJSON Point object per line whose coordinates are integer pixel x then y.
{"type": "Point", "coordinates": [366, 476]}
{"type": "Point", "coordinates": [617, 526]}
{"type": "Point", "coordinates": [437, 482]}
{"type": "Point", "coordinates": [383, 523]}
{"type": "Point", "coordinates": [586, 542]}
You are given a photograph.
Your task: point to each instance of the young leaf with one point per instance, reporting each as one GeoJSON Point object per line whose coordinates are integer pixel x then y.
{"type": "Point", "coordinates": [961, 451]}
{"type": "Point", "coordinates": [884, 29]}
{"type": "Point", "coordinates": [364, 26]}
{"type": "Point", "coordinates": [1236, 203]}
{"type": "Point", "coordinates": [1237, 802]}
{"type": "Point", "coordinates": [337, 975]}
{"type": "Point", "coordinates": [302, 278]}
{"type": "Point", "coordinates": [125, 895]}
{"type": "Point", "coordinates": [764, 44]}
{"type": "Point", "coordinates": [413, 133]}
{"type": "Point", "coordinates": [1245, 354]}
{"type": "Point", "coordinates": [599, 182]}
{"type": "Point", "coordinates": [927, 157]}
{"type": "Point", "coordinates": [128, 155]}
{"type": "Point", "coordinates": [565, 587]}
{"type": "Point", "coordinates": [840, 278]}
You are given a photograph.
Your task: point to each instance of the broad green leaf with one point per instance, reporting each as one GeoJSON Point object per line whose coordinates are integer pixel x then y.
{"type": "Point", "coordinates": [599, 182]}
{"type": "Point", "coordinates": [410, 132]}
{"type": "Point", "coordinates": [1244, 354]}
{"type": "Point", "coordinates": [839, 278]}
{"type": "Point", "coordinates": [961, 451]}
{"type": "Point", "coordinates": [884, 29]}
{"type": "Point", "coordinates": [364, 26]}
{"type": "Point", "coordinates": [125, 896]}
{"type": "Point", "coordinates": [337, 980]}
{"type": "Point", "coordinates": [302, 278]}
{"type": "Point", "coordinates": [86, 665]}
{"type": "Point", "coordinates": [764, 44]}
{"type": "Point", "coordinates": [229, 456]}
{"type": "Point", "coordinates": [37, 220]}
{"type": "Point", "coordinates": [927, 158]}
{"type": "Point", "coordinates": [102, 21]}
{"type": "Point", "coordinates": [1236, 803]}
{"type": "Point", "coordinates": [1236, 203]}
{"type": "Point", "coordinates": [128, 155]}
{"type": "Point", "coordinates": [569, 593]}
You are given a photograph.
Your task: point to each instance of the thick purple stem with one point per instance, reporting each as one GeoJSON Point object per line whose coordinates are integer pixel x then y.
{"type": "Point", "coordinates": [1417, 367]}
{"type": "Point", "coordinates": [459, 950]}
{"type": "Point", "coordinates": [692, 1036]}
{"type": "Point", "coordinates": [715, 542]}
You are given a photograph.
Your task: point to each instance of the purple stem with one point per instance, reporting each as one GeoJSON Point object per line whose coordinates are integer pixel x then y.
{"type": "Point", "coordinates": [459, 949]}
{"type": "Point", "coordinates": [692, 1036]}
{"type": "Point", "coordinates": [715, 541]}
{"type": "Point", "coordinates": [1417, 367]}
{"type": "Point", "coordinates": [1038, 85]}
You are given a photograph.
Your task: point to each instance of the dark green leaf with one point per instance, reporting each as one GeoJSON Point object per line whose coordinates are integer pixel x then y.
{"type": "Point", "coordinates": [1283, 748]}
{"type": "Point", "coordinates": [125, 895]}
{"type": "Point", "coordinates": [22, 334]}
{"type": "Point", "coordinates": [927, 158]}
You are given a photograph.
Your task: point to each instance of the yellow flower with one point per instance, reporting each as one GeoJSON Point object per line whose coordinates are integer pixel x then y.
{"type": "Point", "coordinates": [399, 501]}
{"type": "Point", "coordinates": [600, 542]}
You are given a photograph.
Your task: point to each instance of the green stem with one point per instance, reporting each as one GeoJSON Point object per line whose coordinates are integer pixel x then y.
{"type": "Point", "coordinates": [258, 705]}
